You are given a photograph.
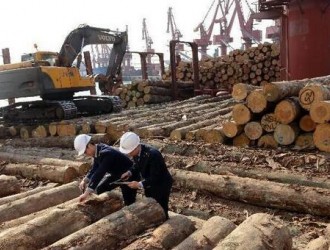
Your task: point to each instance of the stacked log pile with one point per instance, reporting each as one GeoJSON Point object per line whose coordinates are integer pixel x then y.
{"type": "Point", "coordinates": [282, 114]}
{"type": "Point", "coordinates": [255, 66]}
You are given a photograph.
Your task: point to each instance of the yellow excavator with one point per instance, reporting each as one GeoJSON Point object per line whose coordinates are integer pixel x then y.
{"type": "Point", "coordinates": [53, 77]}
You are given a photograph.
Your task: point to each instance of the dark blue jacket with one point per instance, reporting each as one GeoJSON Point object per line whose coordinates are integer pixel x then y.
{"type": "Point", "coordinates": [107, 160]}
{"type": "Point", "coordinates": [151, 166]}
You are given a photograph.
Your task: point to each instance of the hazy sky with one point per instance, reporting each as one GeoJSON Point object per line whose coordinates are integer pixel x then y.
{"type": "Point", "coordinates": [47, 23]}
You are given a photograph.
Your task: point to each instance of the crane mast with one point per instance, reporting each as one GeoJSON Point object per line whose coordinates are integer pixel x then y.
{"type": "Point", "coordinates": [148, 40]}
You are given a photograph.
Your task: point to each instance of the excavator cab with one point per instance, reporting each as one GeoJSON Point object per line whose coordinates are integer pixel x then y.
{"type": "Point", "coordinates": [46, 57]}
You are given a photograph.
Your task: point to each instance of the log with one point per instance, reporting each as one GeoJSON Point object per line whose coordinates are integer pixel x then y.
{"type": "Point", "coordinates": [148, 98]}
{"type": "Point", "coordinates": [167, 235]}
{"type": "Point", "coordinates": [64, 220]}
{"type": "Point", "coordinates": [320, 112]}
{"type": "Point", "coordinates": [268, 122]}
{"type": "Point", "coordinates": [261, 193]}
{"type": "Point", "coordinates": [259, 231]}
{"type": "Point", "coordinates": [231, 129]}
{"type": "Point", "coordinates": [288, 110]}
{"type": "Point", "coordinates": [66, 129]}
{"type": "Point", "coordinates": [307, 124]}
{"type": "Point", "coordinates": [256, 101]}
{"type": "Point", "coordinates": [304, 141]}
{"type": "Point", "coordinates": [39, 201]}
{"type": "Point", "coordinates": [253, 130]}
{"type": "Point", "coordinates": [80, 167]}
{"type": "Point", "coordinates": [322, 137]}
{"type": "Point", "coordinates": [214, 229]}
{"type": "Point", "coordinates": [241, 114]}
{"type": "Point", "coordinates": [267, 141]}
{"type": "Point", "coordinates": [319, 243]}
{"type": "Point", "coordinates": [286, 134]}
{"type": "Point", "coordinates": [57, 174]}
{"type": "Point", "coordinates": [50, 142]}
{"type": "Point", "coordinates": [242, 90]}
{"type": "Point", "coordinates": [26, 132]}
{"type": "Point", "coordinates": [9, 185]}
{"type": "Point", "coordinates": [313, 93]}
{"type": "Point", "coordinates": [40, 131]}
{"type": "Point", "coordinates": [110, 230]}
{"type": "Point", "coordinates": [17, 196]}
{"type": "Point", "coordinates": [277, 91]}
{"type": "Point", "coordinates": [241, 140]}
{"type": "Point", "coordinates": [213, 135]}
{"type": "Point", "coordinates": [153, 90]}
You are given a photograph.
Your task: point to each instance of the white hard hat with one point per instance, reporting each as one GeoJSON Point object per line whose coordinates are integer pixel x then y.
{"type": "Point", "coordinates": [81, 142]}
{"type": "Point", "coordinates": [128, 142]}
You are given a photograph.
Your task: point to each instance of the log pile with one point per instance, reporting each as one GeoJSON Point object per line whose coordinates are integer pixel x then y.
{"type": "Point", "coordinates": [255, 66]}
{"type": "Point", "coordinates": [282, 114]}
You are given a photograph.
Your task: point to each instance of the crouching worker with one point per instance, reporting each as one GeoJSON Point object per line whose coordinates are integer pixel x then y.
{"type": "Point", "coordinates": [149, 163]}
{"type": "Point", "coordinates": [108, 166]}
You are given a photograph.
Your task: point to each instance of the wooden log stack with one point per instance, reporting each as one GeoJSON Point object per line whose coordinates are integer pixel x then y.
{"type": "Point", "coordinates": [282, 113]}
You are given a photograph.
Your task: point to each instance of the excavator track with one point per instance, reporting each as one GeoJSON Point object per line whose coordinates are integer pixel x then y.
{"type": "Point", "coordinates": [52, 110]}
{"type": "Point", "coordinates": [38, 111]}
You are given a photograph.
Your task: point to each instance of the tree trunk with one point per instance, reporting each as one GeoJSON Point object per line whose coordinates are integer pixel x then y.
{"type": "Point", "coordinates": [256, 101]}
{"type": "Point", "coordinates": [59, 222]}
{"type": "Point", "coordinates": [39, 201]}
{"type": "Point", "coordinates": [166, 236]}
{"type": "Point", "coordinates": [18, 196]}
{"type": "Point", "coordinates": [262, 193]}
{"type": "Point", "coordinates": [322, 137]}
{"type": "Point", "coordinates": [110, 230]}
{"type": "Point", "coordinates": [253, 130]}
{"type": "Point", "coordinates": [287, 110]}
{"type": "Point", "coordinates": [206, 238]}
{"type": "Point", "coordinates": [241, 114]}
{"type": "Point", "coordinates": [57, 174]}
{"type": "Point", "coordinates": [320, 112]}
{"type": "Point", "coordinates": [9, 185]}
{"type": "Point", "coordinates": [242, 90]}
{"type": "Point", "coordinates": [286, 134]}
{"type": "Point", "coordinates": [231, 129]}
{"type": "Point", "coordinates": [80, 167]}
{"type": "Point", "coordinates": [307, 124]}
{"type": "Point", "coordinates": [259, 231]}
{"type": "Point", "coordinates": [313, 93]}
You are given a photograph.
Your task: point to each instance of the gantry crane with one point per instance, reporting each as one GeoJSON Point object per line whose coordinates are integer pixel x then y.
{"type": "Point", "coordinates": [148, 40]}
{"type": "Point", "coordinates": [249, 35]}
{"type": "Point", "coordinates": [224, 38]}
{"type": "Point", "coordinates": [175, 32]}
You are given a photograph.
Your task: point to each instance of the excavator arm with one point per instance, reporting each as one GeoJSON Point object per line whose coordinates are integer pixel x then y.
{"type": "Point", "coordinates": [86, 35]}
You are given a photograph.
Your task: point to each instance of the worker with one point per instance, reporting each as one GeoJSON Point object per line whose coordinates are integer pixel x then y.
{"type": "Point", "coordinates": [108, 166]}
{"type": "Point", "coordinates": [149, 163]}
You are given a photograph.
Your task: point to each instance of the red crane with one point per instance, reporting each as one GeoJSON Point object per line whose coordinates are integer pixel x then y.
{"type": "Point", "coordinates": [249, 35]}
{"type": "Point", "coordinates": [148, 40]}
{"type": "Point", "coordinates": [224, 38]}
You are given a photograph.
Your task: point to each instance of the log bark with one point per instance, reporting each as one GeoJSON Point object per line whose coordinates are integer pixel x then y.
{"type": "Point", "coordinates": [206, 238]}
{"type": "Point", "coordinates": [287, 110]}
{"type": "Point", "coordinates": [286, 134]}
{"type": "Point", "coordinates": [262, 193]}
{"type": "Point", "coordinates": [277, 91]}
{"type": "Point", "coordinates": [39, 201]}
{"type": "Point", "coordinates": [80, 167]}
{"type": "Point", "coordinates": [17, 196]}
{"type": "Point", "coordinates": [153, 90]}
{"type": "Point", "coordinates": [322, 137]}
{"type": "Point", "coordinates": [320, 112]}
{"type": "Point", "coordinates": [9, 185]}
{"type": "Point", "coordinates": [57, 174]}
{"type": "Point", "coordinates": [259, 231]}
{"type": "Point", "coordinates": [148, 98]}
{"type": "Point", "coordinates": [110, 230]}
{"type": "Point", "coordinates": [167, 235]}
{"type": "Point", "coordinates": [60, 222]}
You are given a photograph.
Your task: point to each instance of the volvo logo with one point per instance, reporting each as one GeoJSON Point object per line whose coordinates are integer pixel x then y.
{"type": "Point", "coordinates": [106, 38]}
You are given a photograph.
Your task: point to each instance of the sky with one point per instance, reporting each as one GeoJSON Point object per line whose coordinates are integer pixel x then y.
{"type": "Point", "coordinates": [47, 23]}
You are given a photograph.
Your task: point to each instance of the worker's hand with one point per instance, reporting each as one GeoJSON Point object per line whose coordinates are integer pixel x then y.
{"type": "Point", "coordinates": [83, 185]}
{"type": "Point", "coordinates": [134, 185]}
{"type": "Point", "coordinates": [84, 196]}
{"type": "Point", "coordinates": [126, 175]}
